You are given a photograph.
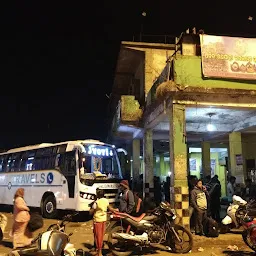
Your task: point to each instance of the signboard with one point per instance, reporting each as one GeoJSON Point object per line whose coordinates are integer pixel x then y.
{"type": "Point", "coordinates": [192, 164]}
{"type": "Point", "coordinates": [213, 167]}
{"type": "Point", "coordinates": [228, 57]}
{"type": "Point", "coordinates": [239, 159]}
{"type": "Point", "coordinates": [27, 179]}
{"type": "Point", "coordinates": [96, 150]}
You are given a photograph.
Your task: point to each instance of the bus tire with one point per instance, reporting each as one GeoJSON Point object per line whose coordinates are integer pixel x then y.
{"type": "Point", "coordinates": [49, 209]}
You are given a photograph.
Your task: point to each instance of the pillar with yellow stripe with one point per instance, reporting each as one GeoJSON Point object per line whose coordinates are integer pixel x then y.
{"type": "Point", "coordinates": [178, 162]}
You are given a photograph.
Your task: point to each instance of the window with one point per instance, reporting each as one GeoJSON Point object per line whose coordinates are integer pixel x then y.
{"type": "Point", "coordinates": [45, 158]}
{"type": "Point", "coordinates": [5, 163]}
{"type": "Point", "coordinates": [62, 148]}
{"type": "Point", "coordinates": [1, 163]}
{"type": "Point", "coordinates": [40, 159]}
{"type": "Point", "coordinates": [68, 163]}
{"type": "Point", "coordinates": [14, 162]}
{"type": "Point", "coordinates": [27, 160]}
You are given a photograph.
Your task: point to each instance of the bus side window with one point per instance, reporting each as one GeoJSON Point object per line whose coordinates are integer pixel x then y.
{"type": "Point", "coordinates": [9, 163]}
{"type": "Point", "coordinates": [17, 162]}
{"type": "Point", "coordinates": [57, 162]}
{"type": "Point", "coordinates": [5, 162]}
{"type": "Point", "coordinates": [23, 161]}
{"type": "Point", "coordinates": [1, 163]}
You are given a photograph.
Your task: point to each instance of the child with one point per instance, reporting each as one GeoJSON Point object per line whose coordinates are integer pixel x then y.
{"type": "Point", "coordinates": [99, 211]}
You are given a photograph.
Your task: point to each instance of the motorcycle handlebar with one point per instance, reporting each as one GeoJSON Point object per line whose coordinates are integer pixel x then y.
{"type": "Point", "coordinates": [69, 217]}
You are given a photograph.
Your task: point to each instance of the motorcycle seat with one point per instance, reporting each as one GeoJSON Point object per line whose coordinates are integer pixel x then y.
{"type": "Point", "coordinates": [126, 215]}
{"type": "Point", "coordinates": [138, 219]}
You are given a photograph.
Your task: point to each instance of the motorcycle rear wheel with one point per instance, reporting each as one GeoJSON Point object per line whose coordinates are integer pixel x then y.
{"type": "Point", "coordinates": [177, 246]}
{"type": "Point", "coordinates": [120, 249]}
{"type": "Point", "coordinates": [246, 237]}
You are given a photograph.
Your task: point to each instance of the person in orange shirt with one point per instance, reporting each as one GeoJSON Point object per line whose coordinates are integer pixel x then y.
{"type": "Point", "coordinates": [21, 235]}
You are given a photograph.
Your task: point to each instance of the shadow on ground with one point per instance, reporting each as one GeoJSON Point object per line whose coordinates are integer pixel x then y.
{"type": "Point", "coordinates": [239, 253]}
{"type": "Point", "coordinates": [7, 244]}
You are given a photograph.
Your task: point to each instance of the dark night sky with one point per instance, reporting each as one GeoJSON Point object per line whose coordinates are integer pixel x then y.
{"type": "Point", "coordinates": [58, 59]}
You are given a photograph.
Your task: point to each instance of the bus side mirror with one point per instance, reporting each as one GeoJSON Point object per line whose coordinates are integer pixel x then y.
{"type": "Point", "coordinates": [122, 150]}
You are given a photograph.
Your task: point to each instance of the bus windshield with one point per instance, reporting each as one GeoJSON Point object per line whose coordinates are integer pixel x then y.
{"type": "Point", "coordinates": [99, 162]}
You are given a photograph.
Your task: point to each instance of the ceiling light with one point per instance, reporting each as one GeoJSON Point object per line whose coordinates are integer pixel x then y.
{"type": "Point", "coordinates": [210, 127]}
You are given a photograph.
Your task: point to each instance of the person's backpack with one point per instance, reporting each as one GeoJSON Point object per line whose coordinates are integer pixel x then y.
{"type": "Point", "coordinates": [36, 221]}
{"type": "Point", "coordinates": [138, 202]}
{"type": "Point", "coordinates": [211, 228]}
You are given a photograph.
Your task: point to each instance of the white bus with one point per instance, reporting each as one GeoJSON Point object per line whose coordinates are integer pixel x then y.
{"type": "Point", "coordinates": [60, 176]}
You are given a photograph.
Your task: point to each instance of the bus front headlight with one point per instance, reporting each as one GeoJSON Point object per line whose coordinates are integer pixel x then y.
{"type": "Point", "coordinates": [87, 196]}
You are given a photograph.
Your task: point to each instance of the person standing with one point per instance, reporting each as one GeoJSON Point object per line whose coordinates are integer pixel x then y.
{"type": "Point", "coordinates": [214, 190]}
{"type": "Point", "coordinates": [126, 198]}
{"type": "Point", "coordinates": [199, 202]}
{"type": "Point", "coordinates": [99, 211]}
{"type": "Point", "coordinates": [21, 235]}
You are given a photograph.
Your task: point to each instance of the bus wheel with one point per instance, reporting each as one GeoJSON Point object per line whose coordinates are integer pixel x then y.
{"type": "Point", "coordinates": [49, 207]}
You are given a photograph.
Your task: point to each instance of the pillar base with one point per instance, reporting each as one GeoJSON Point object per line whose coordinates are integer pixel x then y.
{"type": "Point", "coordinates": [180, 199]}
{"type": "Point", "coordinates": [149, 191]}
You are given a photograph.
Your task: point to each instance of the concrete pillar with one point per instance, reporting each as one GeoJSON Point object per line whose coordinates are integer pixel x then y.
{"type": "Point", "coordinates": [236, 156]}
{"type": "Point", "coordinates": [206, 158]}
{"type": "Point", "coordinates": [148, 164]}
{"type": "Point", "coordinates": [135, 162]}
{"type": "Point", "coordinates": [178, 162]}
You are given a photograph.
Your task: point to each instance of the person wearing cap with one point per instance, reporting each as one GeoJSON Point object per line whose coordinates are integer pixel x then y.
{"type": "Point", "coordinates": [126, 198]}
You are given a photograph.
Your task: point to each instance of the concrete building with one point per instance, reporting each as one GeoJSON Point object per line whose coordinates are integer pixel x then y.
{"type": "Point", "coordinates": [186, 108]}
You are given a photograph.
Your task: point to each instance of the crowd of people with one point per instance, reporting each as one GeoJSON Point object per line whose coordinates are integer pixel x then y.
{"type": "Point", "coordinates": [204, 198]}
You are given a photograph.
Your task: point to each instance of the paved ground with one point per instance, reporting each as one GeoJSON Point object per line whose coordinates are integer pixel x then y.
{"type": "Point", "coordinates": [83, 238]}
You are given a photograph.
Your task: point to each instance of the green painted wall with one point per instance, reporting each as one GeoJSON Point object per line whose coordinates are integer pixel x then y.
{"type": "Point", "coordinates": [188, 72]}
{"type": "Point", "coordinates": [219, 170]}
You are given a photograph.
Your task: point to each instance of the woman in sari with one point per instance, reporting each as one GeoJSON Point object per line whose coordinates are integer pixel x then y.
{"type": "Point", "coordinates": [21, 235]}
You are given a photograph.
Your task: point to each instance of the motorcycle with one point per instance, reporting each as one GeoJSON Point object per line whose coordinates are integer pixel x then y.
{"type": "Point", "coordinates": [249, 225]}
{"type": "Point", "coordinates": [235, 213]}
{"type": "Point", "coordinates": [157, 230]}
{"type": "Point", "coordinates": [54, 241]}
{"type": "Point", "coordinates": [61, 226]}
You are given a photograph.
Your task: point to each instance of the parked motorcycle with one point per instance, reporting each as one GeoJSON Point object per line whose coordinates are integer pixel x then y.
{"type": "Point", "coordinates": [54, 241]}
{"type": "Point", "coordinates": [157, 230]}
{"type": "Point", "coordinates": [62, 225]}
{"type": "Point", "coordinates": [235, 213]}
{"type": "Point", "coordinates": [249, 225]}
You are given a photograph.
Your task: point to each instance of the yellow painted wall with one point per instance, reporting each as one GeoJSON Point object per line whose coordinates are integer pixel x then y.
{"type": "Point", "coordinates": [219, 170]}
{"type": "Point", "coordinates": [155, 61]}
{"type": "Point", "coordinates": [161, 173]}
